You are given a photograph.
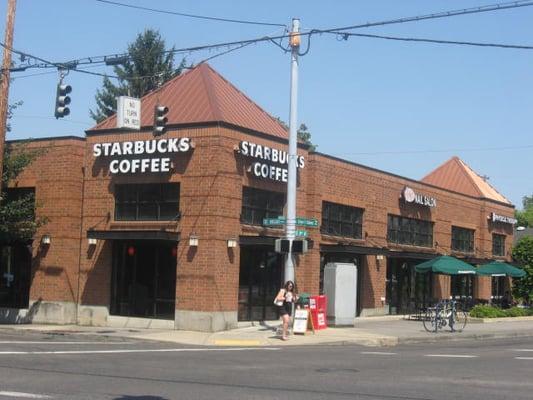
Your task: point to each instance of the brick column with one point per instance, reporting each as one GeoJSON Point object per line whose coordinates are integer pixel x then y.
{"type": "Point", "coordinates": [374, 273]}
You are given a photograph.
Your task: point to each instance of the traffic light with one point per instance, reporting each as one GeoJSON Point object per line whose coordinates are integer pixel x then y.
{"type": "Point", "coordinates": [299, 246]}
{"type": "Point", "coordinates": [62, 100]}
{"type": "Point", "coordinates": [160, 120]}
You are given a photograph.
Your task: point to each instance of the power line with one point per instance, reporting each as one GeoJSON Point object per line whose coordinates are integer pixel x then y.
{"type": "Point", "coordinates": [345, 35]}
{"type": "Point", "coordinates": [377, 153]}
{"type": "Point", "coordinates": [73, 64]}
{"type": "Point", "coordinates": [235, 21]}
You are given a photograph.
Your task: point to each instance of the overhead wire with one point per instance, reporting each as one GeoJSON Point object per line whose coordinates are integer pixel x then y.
{"type": "Point", "coordinates": [209, 18]}
{"type": "Point", "coordinates": [397, 152]}
{"type": "Point", "coordinates": [74, 64]}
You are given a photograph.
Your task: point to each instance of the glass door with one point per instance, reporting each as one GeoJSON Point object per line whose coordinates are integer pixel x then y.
{"type": "Point", "coordinates": [144, 279]}
{"type": "Point", "coordinates": [259, 281]}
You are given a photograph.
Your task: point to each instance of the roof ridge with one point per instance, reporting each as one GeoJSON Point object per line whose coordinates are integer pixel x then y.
{"type": "Point", "coordinates": [146, 95]}
{"type": "Point", "coordinates": [486, 182]}
{"type": "Point", "coordinates": [253, 103]}
{"type": "Point", "coordinates": [212, 97]}
{"type": "Point", "coordinates": [463, 165]}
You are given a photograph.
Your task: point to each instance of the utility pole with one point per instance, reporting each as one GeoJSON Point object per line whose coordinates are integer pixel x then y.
{"type": "Point", "coordinates": [290, 231]}
{"type": "Point", "coordinates": [4, 84]}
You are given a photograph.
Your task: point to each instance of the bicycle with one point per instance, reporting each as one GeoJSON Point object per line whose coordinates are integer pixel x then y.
{"type": "Point", "coordinates": [445, 313]}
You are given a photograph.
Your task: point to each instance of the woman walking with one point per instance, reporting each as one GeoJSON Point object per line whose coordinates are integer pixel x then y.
{"type": "Point", "coordinates": [284, 300]}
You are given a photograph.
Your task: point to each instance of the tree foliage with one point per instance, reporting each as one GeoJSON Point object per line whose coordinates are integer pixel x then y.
{"type": "Point", "coordinates": [302, 133]}
{"type": "Point", "coordinates": [148, 66]}
{"type": "Point", "coordinates": [525, 216]}
{"type": "Point", "coordinates": [523, 254]}
{"type": "Point", "coordinates": [17, 213]}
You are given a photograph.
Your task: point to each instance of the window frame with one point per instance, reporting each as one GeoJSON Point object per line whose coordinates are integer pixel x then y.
{"type": "Point", "coordinates": [140, 203]}
{"type": "Point", "coordinates": [271, 204]}
{"type": "Point", "coordinates": [409, 231]}
{"type": "Point", "coordinates": [347, 219]}
{"type": "Point", "coordinates": [463, 239]}
{"type": "Point", "coordinates": [498, 249]}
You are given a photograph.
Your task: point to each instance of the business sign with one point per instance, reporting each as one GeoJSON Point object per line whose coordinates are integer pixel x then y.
{"type": "Point", "coordinates": [501, 218]}
{"type": "Point", "coordinates": [155, 154]}
{"type": "Point", "coordinates": [271, 163]}
{"type": "Point", "coordinates": [410, 196]}
{"type": "Point", "coordinates": [128, 112]}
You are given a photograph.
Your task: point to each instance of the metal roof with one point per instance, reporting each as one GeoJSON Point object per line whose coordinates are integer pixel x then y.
{"type": "Point", "coordinates": [202, 95]}
{"type": "Point", "coordinates": [456, 175]}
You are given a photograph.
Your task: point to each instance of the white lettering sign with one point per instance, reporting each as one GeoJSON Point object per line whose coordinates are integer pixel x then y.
{"type": "Point", "coordinates": [128, 112]}
{"type": "Point", "coordinates": [271, 156]}
{"type": "Point", "coordinates": [501, 218]}
{"type": "Point", "coordinates": [410, 196]}
{"type": "Point", "coordinates": [141, 147]}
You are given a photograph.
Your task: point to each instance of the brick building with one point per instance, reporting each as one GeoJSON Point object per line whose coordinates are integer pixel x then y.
{"type": "Point", "coordinates": [168, 230]}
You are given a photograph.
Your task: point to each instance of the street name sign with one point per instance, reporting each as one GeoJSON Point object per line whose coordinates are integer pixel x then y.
{"type": "Point", "coordinates": [311, 222]}
{"type": "Point", "coordinates": [300, 233]}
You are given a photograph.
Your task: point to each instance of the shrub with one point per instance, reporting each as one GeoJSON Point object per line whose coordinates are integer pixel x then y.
{"type": "Point", "coordinates": [482, 311]}
{"type": "Point", "coordinates": [516, 312]}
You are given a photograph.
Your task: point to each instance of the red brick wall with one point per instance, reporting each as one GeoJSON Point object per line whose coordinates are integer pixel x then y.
{"type": "Point", "coordinates": [56, 176]}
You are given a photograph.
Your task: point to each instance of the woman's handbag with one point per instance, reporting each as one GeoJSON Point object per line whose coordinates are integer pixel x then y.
{"type": "Point", "coordinates": [277, 302]}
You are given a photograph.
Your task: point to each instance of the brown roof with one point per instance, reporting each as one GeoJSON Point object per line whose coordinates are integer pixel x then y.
{"type": "Point", "coordinates": [456, 175]}
{"type": "Point", "coordinates": [203, 95]}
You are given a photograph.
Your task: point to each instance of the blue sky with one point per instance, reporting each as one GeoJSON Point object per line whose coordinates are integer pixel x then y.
{"type": "Point", "coordinates": [401, 107]}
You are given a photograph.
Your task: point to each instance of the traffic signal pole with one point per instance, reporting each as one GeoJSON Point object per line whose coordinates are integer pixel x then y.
{"type": "Point", "coordinates": [290, 231]}
{"type": "Point", "coordinates": [4, 84]}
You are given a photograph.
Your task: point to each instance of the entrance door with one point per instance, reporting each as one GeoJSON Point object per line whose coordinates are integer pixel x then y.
{"type": "Point", "coordinates": [407, 291]}
{"type": "Point", "coordinates": [144, 279]}
{"type": "Point", "coordinates": [259, 281]}
{"type": "Point", "coordinates": [15, 275]}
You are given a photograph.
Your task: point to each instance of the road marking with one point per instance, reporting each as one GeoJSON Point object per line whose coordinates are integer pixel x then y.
{"type": "Point", "coordinates": [378, 353]}
{"type": "Point", "coordinates": [521, 349]}
{"type": "Point", "coordinates": [523, 358]}
{"type": "Point", "coordinates": [49, 342]}
{"type": "Point", "coordinates": [24, 395]}
{"type": "Point", "coordinates": [134, 351]}
{"type": "Point", "coordinates": [451, 355]}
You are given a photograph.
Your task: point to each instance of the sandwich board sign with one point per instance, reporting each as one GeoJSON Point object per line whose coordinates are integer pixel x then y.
{"type": "Point", "coordinates": [128, 112]}
{"type": "Point", "coordinates": [302, 320]}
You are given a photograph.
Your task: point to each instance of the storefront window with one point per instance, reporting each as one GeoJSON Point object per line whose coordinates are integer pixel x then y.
{"type": "Point", "coordinates": [409, 231]}
{"type": "Point", "coordinates": [462, 287]}
{"type": "Point", "coordinates": [498, 244]}
{"type": "Point", "coordinates": [147, 202]}
{"type": "Point", "coordinates": [462, 239]}
{"type": "Point", "coordinates": [258, 204]}
{"type": "Point", "coordinates": [340, 220]}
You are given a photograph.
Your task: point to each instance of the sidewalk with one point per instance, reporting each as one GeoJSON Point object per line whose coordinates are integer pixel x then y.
{"type": "Point", "coordinates": [367, 332]}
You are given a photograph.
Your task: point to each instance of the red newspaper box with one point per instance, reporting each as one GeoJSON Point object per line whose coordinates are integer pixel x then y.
{"type": "Point", "coordinates": [318, 306]}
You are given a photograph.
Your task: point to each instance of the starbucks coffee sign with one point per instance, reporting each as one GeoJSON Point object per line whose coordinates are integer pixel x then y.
{"type": "Point", "coordinates": [410, 196]}
{"type": "Point", "coordinates": [270, 163]}
{"type": "Point", "coordinates": [141, 155]}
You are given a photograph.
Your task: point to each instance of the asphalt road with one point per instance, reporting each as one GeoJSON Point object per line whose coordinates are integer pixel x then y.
{"type": "Point", "coordinates": [41, 366]}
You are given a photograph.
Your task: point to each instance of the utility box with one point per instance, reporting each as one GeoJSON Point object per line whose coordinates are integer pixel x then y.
{"type": "Point", "coordinates": [340, 286]}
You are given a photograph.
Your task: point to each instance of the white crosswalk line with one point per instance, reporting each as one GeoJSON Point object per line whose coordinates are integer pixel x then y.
{"type": "Point", "coordinates": [451, 355]}
{"type": "Point", "coordinates": [523, 358]}
{"type": "Point", "coordinates": [24, 395]}
{"type": "Point", "coordinates": [66, 352]}
{"type": "Point", "coordinates": [49, 342]}
{"type": "Point", "coordinates": [521, 349]}
{"type": "Point", "coordinates": [378, 353]}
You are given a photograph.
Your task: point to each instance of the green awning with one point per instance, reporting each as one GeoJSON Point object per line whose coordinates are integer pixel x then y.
{"type": "Point", "coordinates": [445, 265]}
{"type": "Point", "coordinates": [497, 268]}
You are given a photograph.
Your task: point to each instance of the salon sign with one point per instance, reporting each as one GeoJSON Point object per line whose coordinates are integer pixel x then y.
{"type": "Point", "coordinates": [410, 196]}
{"type": "Point", "coordinates": [269, 163]}
{"type": "Point", "coordinates": [141, 156]}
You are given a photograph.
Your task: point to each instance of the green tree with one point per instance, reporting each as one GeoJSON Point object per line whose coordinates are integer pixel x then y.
{"type": "Point", "coordinates": [523, 254]}
{"type": "Point", "coordinates": [148, 66]}
{"type": "Point", "coordinates": [17, 213]}
{"type": "Point", "coordinates": [525, 216]}
{"type": "Point", "coordinates": [305, 136]}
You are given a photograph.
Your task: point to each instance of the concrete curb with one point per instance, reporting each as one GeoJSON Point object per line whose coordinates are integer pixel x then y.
{"type": "Point", "coordinates": [463, 337]}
